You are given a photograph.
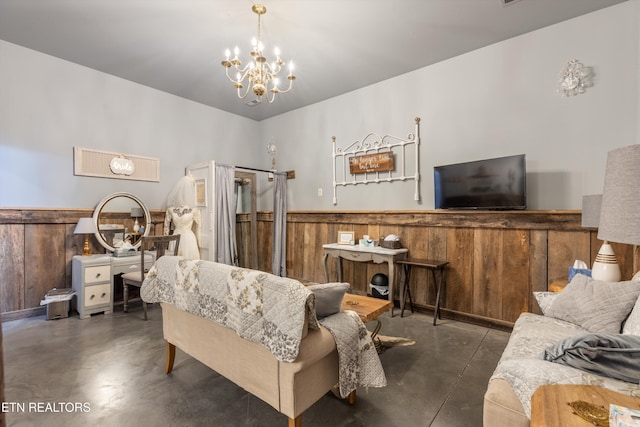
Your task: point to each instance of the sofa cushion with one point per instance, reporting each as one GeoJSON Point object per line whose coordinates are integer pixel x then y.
{"type": "Point", "coordinates": [632, 324]}
{"type": "Point", "coordinates": [599, 307]}
{"type": "Point", "coordinates": [610, 355]}
{"type": "Point", "coordinates": [328, 297]}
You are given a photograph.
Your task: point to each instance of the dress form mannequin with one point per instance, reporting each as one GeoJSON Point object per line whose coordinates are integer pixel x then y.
{"type": "Point", "coordinates": [181, 211]}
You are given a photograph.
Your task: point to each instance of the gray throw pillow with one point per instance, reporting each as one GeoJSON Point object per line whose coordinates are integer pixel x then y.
{"type": "Point", "coordinates": [609, 355]}
{"type": "Point", "coordinates": [632, 324]}
{"type": "Point", "coordinates": [598, 307]}
{"type": "Point", "coordinates": [328, 297]}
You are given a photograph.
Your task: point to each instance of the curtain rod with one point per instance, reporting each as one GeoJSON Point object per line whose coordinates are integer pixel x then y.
{"type": "Point", "coordinates": [257, 170]}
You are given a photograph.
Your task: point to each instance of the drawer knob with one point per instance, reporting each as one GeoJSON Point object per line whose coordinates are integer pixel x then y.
{"type": "Point", "coordinates": [104, 294]}
{"type": "Point", "coordinates": [98, 275]}
{"type": "Point", "coordinates": [92, 297]}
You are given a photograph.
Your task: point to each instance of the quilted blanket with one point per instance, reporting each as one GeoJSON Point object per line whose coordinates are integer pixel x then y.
{"type": "Point", "coordinates": [522, 366]}
{"type": "Point", "coordinates": [260, 307]}
{"type": "Point", "coordinates": [265, 309]}
{"type": "Point", "coordinates": [358, 357]}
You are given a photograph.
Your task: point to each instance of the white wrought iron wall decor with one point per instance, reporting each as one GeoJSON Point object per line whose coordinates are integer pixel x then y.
{"type": "Point", "coordinates": [373, 144]}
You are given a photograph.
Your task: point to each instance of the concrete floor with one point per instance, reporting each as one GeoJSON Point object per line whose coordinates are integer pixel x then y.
{"type": "Point", "coordinates": [111, 368]}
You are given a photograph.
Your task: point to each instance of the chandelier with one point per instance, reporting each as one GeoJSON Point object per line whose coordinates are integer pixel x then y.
{"type": "Point", "coordinates": [260, 76]}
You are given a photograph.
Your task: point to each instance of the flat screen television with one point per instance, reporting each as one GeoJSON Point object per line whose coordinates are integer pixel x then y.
{"type": "Point", "coordinates": [498, 183]}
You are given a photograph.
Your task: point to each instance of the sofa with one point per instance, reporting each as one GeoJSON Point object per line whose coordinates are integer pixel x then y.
{"type": "Point", "coordinates": [588, 334]}
{"type": "Point", "coordinates": [259, 331]}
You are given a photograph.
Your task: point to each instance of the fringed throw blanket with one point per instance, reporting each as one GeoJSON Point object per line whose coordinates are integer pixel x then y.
{"type": "Point", "coordinates": [260, 307]}
{"type": "Point", "coordinates": [265, 309]}
{"type": "Point", "coordinates": [358, 358]}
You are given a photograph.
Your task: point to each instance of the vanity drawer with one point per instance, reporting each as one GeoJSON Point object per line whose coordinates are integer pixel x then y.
{"type": "Point", "coordinates": [97, 295]}
{"type": "Point", "coordinates": [97, 274]}
{"type": "Point", "coordinates": [356, 256]}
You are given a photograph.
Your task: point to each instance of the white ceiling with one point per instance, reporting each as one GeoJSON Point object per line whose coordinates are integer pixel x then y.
{"type": "Point", "coordinates": [337, 45]}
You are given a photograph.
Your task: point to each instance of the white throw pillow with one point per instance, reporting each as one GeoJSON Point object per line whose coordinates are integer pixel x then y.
{"type": "Point", "coordinates": [632, 325]}
{"type": "Point", "coordinates": [598, 307]}
{"type": "Point", "coordinates": [545, 299]}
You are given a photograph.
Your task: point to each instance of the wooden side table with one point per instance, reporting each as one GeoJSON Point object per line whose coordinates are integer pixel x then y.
{"type": "Point", "coordinates": [549, 403]}
{"type": "Point", "coordinates": [368, 309]}
{"type": "Point", "coordinates": [430, 264]}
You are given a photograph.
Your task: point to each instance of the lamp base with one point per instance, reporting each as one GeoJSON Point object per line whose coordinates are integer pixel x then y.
{"type": "Point", "coordinates": [605, 267]}
{"type": "Point", "coordinates": [86, 250]}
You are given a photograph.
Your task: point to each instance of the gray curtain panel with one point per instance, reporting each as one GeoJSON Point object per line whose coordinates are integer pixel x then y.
{"type": "Point", "coordinates": [226, 249]}
{"type": "Point", "coordinates": [279, 260]}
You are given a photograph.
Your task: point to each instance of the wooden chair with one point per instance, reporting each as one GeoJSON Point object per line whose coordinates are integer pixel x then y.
{"type": "Point", "coordinates": [162, 245]}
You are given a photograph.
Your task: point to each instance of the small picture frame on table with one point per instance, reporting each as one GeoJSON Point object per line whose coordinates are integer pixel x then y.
{"type": "Point", "coordinates": [345, 237]}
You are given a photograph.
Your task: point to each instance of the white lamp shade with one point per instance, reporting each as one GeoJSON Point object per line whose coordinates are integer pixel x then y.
{"type": "Point", "coordinates": [620, 212]}
{"type": "Point", "coordinates": [591, 206]}
{"type": "Point", "coordinates": [85, 226]}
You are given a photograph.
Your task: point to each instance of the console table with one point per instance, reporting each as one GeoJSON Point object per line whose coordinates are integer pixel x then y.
{"type": "Point", "coordinates": [376, 254]}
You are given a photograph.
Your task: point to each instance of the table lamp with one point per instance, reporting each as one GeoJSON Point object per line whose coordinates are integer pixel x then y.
{"type": "Point", "coordinates": [136, 213]}
{"type": "Point", "coordinates": [620, 212]}
{"type": "Point", "coordinates": [605, 267]}
{"type": "Point", "coordinates": [86, 226]}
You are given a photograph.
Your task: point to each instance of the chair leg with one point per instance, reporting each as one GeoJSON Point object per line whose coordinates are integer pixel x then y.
{"type": "Point", "coordinates": [144, 306]}
{"type": "Point", "coordinates": [125, 296]}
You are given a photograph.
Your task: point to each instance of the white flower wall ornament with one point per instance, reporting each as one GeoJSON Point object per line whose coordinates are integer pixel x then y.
{"type": "Point", "coordinates": [574, 78]}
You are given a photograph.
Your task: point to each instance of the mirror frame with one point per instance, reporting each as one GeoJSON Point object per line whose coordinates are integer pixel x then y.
{"type": "Point", "coordinates": [101, 205]}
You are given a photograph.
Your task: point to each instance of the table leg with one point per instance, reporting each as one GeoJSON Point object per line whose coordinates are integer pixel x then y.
{"type": "Point", "coordinates": [326, 269]}
{"type": "Point", "coordinates": [406, 276]}
{"type": "Point", "coordinates": [339, 259]}
{"type": "Point", "coordinates": [436, 313]}
{"type": "Point", "coordinates": [374, 334]}
{"type": "Point", "coordinates": [125, 297]}
{"type": "Point", "coordinates": [392, 279]}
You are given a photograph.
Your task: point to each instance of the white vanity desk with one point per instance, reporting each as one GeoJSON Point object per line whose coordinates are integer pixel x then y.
{"type": "Point", "coordinates": [93, 279]}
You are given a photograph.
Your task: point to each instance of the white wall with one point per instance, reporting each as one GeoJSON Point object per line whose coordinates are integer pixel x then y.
{"type": "Point", "coordinates": [48, 106]}
{"type": "Point", "coordinates": [496, 101]}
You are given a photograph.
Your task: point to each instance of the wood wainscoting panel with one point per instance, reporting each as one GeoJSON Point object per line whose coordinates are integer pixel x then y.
{"type": "Point", "coordinates": [45, 257]}
{"type": "Point", "coordinates": [515, 270]}
{"type": "Point", "coordinates": [460, 280]}
{"type": "Point", "coordinates": [564, 248]}
{"type": "Point", "coordinates": [12, 267]}
{"type": "Point", "coordinates": [488, 272]}
{"type": "Point", "coordinates": [538, 261]}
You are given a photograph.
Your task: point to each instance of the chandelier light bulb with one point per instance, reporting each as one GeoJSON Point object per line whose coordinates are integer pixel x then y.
{"type": "Point", "coordinates": [227, 53]}
{"type": "Point", "coordinates": [259, 75]}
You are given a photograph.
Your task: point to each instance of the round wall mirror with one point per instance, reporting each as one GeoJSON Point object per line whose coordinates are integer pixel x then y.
{"type": "Point", "coordinates": [121, 218]}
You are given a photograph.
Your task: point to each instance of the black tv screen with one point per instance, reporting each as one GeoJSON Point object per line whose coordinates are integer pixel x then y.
{"type": "Point", "coordinates": [498, 183]}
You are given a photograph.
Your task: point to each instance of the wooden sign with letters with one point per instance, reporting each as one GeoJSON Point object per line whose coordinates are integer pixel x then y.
{"type": "Point", "coordinates": [379, 162]}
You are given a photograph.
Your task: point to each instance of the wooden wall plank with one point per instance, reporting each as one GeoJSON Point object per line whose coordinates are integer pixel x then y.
{"type": "Point", "coordinates": [12, 267]}
{"type": "Point", "coordinates": [488, 273]}
{"type": "Point", "coordinates": [460, 278]}
{"type": "Point", "coordinates": [44, 248]}
{"type": "Point", "coordinates": [564, 248]}
{"type": "Point", "coordinates": [515, 274]}
{"type": "Point", "coordinates": [537, 266]}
